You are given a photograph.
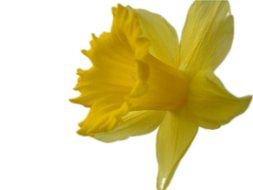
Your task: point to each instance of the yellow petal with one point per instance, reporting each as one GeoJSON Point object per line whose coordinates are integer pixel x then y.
{"type": "Point", "coordinates": [175, 135]}
{"type": "Point", "coordinates": [162, 37]}
{"type": "Point", "coordinates": [211, 103]}
{"type": "Point", "coordinates": [207, 36]}
{"type": "Point", "coordinates": [133, 124]}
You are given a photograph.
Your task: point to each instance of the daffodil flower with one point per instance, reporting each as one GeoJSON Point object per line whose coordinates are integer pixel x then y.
{"type": "Point", "coordinates": [142, 78]}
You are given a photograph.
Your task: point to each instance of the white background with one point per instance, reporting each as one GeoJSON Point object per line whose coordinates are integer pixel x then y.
{"type": "Point", "coordinates": [40, 43]}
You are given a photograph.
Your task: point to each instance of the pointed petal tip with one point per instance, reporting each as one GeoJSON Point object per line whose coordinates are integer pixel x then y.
{"type": "Point", "coordinates": [246, 100]}
{"type": "Point", "coordinates": [75, 100]}
{"type": "Point", "coordinates": [114, 11]}
{"type": "Point", "coordinates": [82, 132]}
{"type": "Point", "coordinates": [86, 53]}
{"type": "Point", "coordinates": [94, 37]}
{"type": "Point", "coordinates": [120, 6]}
{"type": "Point", "coordinates": [79, 71]}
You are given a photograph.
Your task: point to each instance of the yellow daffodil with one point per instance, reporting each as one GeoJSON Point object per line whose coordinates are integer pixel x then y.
{"type": "Point", "coordinates": [142, 78]}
